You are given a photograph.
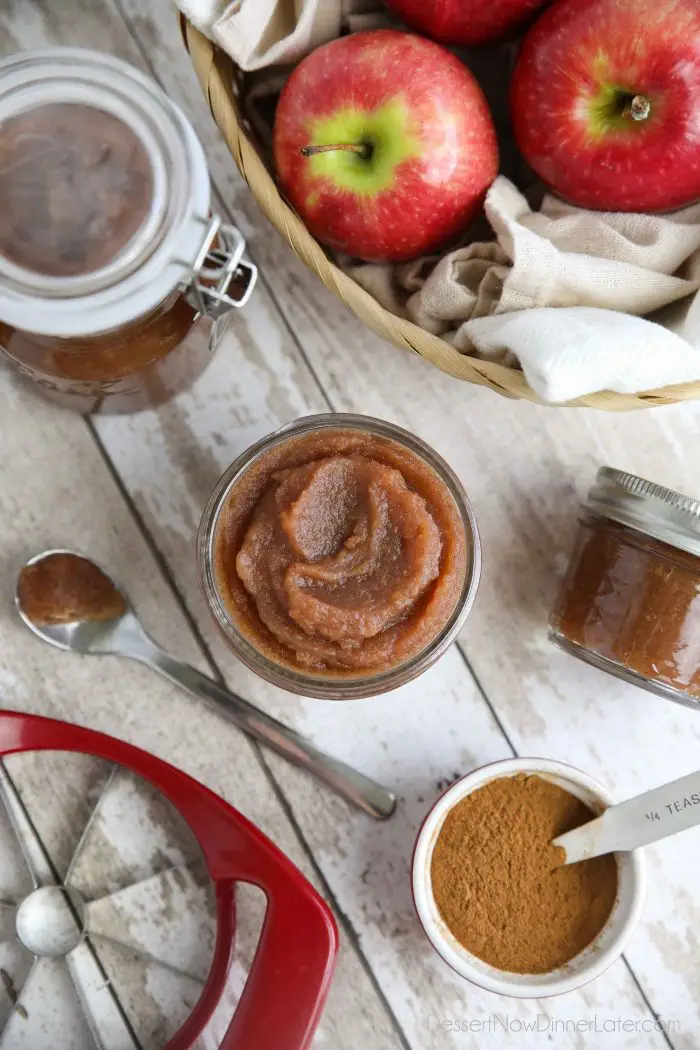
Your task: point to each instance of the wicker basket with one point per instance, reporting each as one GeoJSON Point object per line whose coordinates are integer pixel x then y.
{"type": "Point", "coordinates": [223, 85]}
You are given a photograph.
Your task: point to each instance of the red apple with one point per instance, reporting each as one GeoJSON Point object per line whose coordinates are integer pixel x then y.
{"type": "Point", "coordinates": [384, 144]}
{"type": "Point", "coordinates": [465, 22]}
{"type": "Point", "coordinates": [606, 102]}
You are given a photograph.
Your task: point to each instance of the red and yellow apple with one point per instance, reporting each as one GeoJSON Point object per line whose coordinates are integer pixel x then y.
{"type": "Point", "coordinates": [384, 144]}
{"type": "Point", "coordinates": [606, 102]}
{"type": "Point", "coordinates": [464, 22]}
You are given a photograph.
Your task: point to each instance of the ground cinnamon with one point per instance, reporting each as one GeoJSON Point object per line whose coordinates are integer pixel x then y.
{"type": "Point", "coordinates": [497, 883]}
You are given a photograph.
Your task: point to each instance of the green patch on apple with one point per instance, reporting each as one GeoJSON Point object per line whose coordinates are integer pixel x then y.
{"type": "Point", "coordinates": [616, 108]}
{"type": "Point", "coordinates": [370, 147]}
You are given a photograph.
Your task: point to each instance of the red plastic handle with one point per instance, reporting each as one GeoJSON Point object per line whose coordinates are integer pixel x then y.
{"type": "Point", "coordinates": [290, 977]}
{"type": "Point", "coordinates": [293, 965]}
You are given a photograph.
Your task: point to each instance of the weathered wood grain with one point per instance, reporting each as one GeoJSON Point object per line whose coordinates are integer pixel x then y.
{"type": "Point", "coordinates": [416, 740]}
{"type": "Point", "coordinates": [55, 489]}
{"type": "Point", "coordinates": [528, 462]}
{"type": "Point", "coordinates": [524, 468]}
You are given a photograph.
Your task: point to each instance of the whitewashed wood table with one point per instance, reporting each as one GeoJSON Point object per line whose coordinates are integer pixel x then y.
{"type": "Point", "coordinates": [129, 491]}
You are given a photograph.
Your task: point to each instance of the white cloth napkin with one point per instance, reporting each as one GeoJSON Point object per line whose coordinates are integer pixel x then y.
{"type": "Point", "coordinates": [261, 33]}
{"type": "Point", "coordinates": [575, 350]}
{"type": "Point", "coordinates": [601, 271]}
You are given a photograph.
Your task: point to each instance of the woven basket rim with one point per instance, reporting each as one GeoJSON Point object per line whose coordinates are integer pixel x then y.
{"type": "Point", "coordinates": [219, 80]}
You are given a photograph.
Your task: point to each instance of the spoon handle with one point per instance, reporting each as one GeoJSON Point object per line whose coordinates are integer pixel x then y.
{"type": "Point", "coordinates": [355, 787]}
{"type": "Point", "coordinates": [646, 818]}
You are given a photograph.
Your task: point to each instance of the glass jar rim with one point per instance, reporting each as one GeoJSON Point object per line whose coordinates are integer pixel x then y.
{"type": "Point", "coordinates": [161, 255]}
{"type": "Point", "coordinates": [324, 686]}
{"type": "Point", "coordinates": [659, 512]}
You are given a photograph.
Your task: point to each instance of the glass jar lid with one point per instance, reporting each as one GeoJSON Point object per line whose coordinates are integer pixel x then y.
{"type": "Point", "coordinates": [105, 197]}
{"type": "Point", "coordinates": [657, 511]}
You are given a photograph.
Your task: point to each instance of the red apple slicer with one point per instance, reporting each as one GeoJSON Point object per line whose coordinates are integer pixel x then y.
{"type": "Point", "coordinates": [122, 883]}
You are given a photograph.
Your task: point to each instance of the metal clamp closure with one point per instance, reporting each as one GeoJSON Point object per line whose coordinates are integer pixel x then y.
{"type": "Point", "coordinates": [221, 278]}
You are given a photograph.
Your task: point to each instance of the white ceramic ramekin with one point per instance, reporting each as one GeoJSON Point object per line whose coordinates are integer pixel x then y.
{"type": "Point", "coordinates": [593, 960]}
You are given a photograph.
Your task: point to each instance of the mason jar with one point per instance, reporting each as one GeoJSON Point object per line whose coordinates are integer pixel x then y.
{"type": "Point", "coordinates": [630, 600]}
{"type": "Point", "coordinates": [339, 556]}
{"type": "Point", "coordinates": [114, 274]}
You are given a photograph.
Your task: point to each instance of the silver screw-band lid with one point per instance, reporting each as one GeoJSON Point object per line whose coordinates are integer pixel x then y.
{"type": "Point", "coordinates": [660, 512]}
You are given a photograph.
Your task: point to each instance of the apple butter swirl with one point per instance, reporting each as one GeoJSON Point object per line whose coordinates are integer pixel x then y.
{"type": "Point", "coordinates": [340, 551]}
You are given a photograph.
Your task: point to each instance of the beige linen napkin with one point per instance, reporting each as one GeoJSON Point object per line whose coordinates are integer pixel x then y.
{"type": "Point", "coordinates": [612, 264]}
{"type": "Point", "coordinates": [261, 33]}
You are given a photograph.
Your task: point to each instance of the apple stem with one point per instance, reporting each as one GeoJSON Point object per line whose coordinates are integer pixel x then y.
{"type": "Point", "coordinates": [639, 107]}
{"type": "Point", "coordinates": [363, 149]}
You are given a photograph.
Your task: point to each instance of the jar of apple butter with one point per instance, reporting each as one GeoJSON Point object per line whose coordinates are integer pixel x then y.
{"type": "Point", "coordinates": [630, 601]}
{"type": "Point", "coordinates": [114, 274]}
{"type": "Point", "coordinates": [339, 556]}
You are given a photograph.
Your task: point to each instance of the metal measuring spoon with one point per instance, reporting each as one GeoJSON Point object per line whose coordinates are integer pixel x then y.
{"type": "Point", "coordinates": [646, 818]}
{"type": "Point", "coordinates": [104, 622]}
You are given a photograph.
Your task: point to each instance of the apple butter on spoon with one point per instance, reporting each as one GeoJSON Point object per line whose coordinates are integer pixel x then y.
{"type": "Point", "coordinates": [63, 587]}
{"type": "Point", "coordinates": [71, 603]}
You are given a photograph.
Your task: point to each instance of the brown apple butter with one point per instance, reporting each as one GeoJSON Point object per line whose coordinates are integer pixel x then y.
{"type": "Point", "coordinates": [114, 273]}
{"type": "Point", "coordinates": [63, 587]}
{"type": "Point", "coordinates": [340, 551]}
{"type": "Point", "coordinates": [630, 601]}
{"type": "Point", "coordinates": [140, 365]}
{"type": "Point", "coordinates": [76, 186]}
